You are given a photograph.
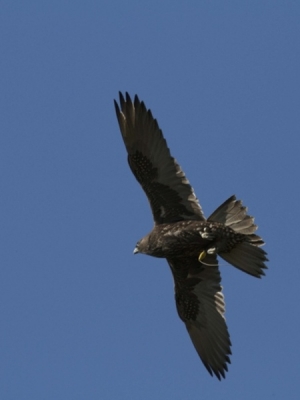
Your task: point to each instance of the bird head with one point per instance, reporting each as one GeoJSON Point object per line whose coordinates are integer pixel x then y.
{"type": "Point", "coordinates": [142, 246]}
{"type": "Point", "coordinates": [136, 249]}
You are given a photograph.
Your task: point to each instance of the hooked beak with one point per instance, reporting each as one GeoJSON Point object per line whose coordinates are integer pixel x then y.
{"type": "Point", "coordinates": [135, 251]}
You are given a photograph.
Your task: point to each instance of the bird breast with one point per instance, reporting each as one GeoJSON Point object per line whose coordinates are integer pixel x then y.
{"type": "Point", "coordinates": [179, 239]}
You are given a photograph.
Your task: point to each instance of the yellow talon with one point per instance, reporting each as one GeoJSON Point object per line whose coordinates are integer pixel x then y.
{"type": "Point", "coordinates": [202, 255]}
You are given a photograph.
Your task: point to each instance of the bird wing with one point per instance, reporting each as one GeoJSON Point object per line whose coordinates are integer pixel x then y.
{"type": "Point", "coordinates": [170, 194]}
{"type": "Point", "coordinates": [200, 305]}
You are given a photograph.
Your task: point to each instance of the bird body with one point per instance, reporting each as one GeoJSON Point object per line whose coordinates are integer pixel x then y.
{"type": "Point", "coordinates": [189, 242]}
{"type": "Point", "coordinates": [187, 238]}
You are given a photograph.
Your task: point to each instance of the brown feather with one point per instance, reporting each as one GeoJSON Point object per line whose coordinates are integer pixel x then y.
{"type": "Point", "coordinates": [183, 236]}
{"type": "Point", "coordinates": [201, 307]}
{"type": "Point", "coordinates": [169, 192]}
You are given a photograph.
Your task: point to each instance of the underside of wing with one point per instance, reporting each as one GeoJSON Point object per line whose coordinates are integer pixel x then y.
{"type": "Point", "coordinates": [170, 194]}
{"type": "Point", "coordinates": [200, 305]}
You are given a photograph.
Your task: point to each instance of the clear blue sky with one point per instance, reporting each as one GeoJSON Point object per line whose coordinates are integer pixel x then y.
{"type": "Point", "coordinates": [81, 317]}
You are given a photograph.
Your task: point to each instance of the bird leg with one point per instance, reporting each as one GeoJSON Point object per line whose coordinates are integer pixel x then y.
{"type": "Point", "coordinates": [208, 236]}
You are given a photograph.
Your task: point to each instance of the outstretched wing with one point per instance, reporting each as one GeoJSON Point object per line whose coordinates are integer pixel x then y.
{"type": "Point", "coordinates": [170, 194]}
{"type": "Point", "coordinates": [200, 305]}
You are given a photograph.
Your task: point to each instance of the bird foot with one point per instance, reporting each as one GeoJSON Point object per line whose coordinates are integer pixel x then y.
{"type": "Point", "coordinates": [212, 250]}
{"type": "Point", "coordinates": [207, 235]}
{"type": "Point", "coordinates": [202, 255]}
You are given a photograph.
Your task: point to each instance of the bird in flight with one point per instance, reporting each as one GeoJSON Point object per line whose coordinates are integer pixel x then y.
{"type": "Point", "coordinates": [185, 238]}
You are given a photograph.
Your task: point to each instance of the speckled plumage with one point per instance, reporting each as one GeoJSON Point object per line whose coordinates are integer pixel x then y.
{"type": "Point", "coordinates": [188, 240]}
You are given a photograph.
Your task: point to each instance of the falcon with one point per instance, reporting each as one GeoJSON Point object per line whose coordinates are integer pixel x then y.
{"type": "Point", "coordinates": [185, 238]}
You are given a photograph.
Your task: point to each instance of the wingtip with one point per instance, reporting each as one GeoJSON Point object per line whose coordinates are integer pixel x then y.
{"type": "Point", "coordinates": [117, 107]}
{"type": "Point", "coordinates": [122, 99]}
{"type": "Point", "coordinates": [127, 100]}
{"type": "Point", "coordinates": [136, 100]}
{"type": "Point", "coordinates": [220, 373]}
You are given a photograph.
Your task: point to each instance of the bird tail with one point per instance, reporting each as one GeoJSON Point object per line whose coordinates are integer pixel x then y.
{"type": "Point", "coordinates": [246, 255]}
